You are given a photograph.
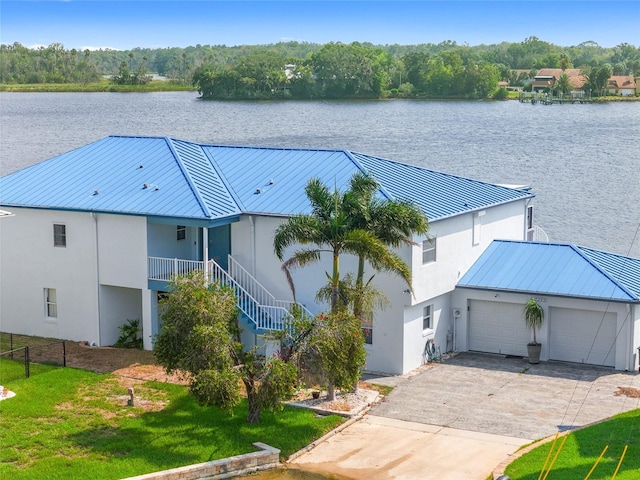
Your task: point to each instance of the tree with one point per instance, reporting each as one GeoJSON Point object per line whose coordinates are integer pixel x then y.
{"type": "Point", "coordinates": [563, 84]}
{"type": "Point", "coordinates": [393, 222]}
{"type": "Point", "coordinates": [200, 336]}
{"type": "Point", "coordinates": [330, 230]}
{"type": "Point", "coordinates": [533, 317]}
{"type": "Point", "coordinates": [337, 343]}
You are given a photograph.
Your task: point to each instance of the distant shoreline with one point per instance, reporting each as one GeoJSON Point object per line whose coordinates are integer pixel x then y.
{"type": "Point", "coordinates": [163, 86]}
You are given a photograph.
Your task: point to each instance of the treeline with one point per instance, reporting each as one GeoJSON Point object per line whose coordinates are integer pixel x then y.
{"type": "Point", "coordinates": [307, 70]}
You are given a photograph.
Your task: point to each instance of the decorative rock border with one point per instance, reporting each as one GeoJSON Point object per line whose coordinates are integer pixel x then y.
{"type": "Point", "coordinates": [264, 459]}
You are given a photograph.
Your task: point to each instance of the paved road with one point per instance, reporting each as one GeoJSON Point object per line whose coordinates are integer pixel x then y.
{"type": "Point", "coordinates": [459, 419]}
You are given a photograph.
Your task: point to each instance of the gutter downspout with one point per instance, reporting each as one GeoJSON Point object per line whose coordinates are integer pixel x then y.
{"type": "Point", "coordinates": [95, 223]}
{"type": "Point", "coordinates": [253, 245]}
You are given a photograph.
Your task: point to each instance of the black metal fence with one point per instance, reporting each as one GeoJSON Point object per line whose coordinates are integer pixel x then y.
{"type": "Point", "coordinates": [26, 360]}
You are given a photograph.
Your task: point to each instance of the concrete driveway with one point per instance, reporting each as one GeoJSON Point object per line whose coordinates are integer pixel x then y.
{"type": "Point", "coordinates": [459, 419]}
{"type": "Point", "coordinates": [508, 396]}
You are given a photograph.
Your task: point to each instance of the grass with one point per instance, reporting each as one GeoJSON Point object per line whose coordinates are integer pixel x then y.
{"type": "Point", "coordinates": [582, 449]}
{"type": "Point", "coordinates": [68, 423]}
{"type": "Point", "coordinates": [10, 341]}
{"type": "Point", "coordinates": [103, 86]}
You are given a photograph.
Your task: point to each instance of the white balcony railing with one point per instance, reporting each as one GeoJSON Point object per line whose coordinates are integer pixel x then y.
{"type": "Point", "coordinates": [265, 312]}
{"type": "Point", "coordinates": [166, 268]}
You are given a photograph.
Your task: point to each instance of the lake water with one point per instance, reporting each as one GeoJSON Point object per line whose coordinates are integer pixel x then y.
{"type": "Point", "coordinates": [582, 161]}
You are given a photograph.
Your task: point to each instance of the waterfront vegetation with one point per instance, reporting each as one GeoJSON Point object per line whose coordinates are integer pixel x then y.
{"type": "Point", "coordinates": [104, 85]}
{"type": "Point", "coordinates": [306, 70]}
{"type": "Point", "coordinates": [582, 449]}
{"type": "Point", "coordinates": [69, 423]}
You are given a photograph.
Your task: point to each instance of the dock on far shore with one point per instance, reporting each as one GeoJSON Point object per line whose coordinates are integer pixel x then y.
{"type": "Point", "coordinates": [550, 99]}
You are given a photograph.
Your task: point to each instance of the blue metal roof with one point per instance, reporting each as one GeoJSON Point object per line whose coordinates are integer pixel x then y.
{"type": "Point", "coordinates": [440, 195]}
{"type": "Point", "coordinates": [133, 175]}
{"type": "Point", "coordinates": [189, 180]}
{"type": "Point", "coordinates": [273, 180]}
{"type": "Point", "coordinates": [555, 269]}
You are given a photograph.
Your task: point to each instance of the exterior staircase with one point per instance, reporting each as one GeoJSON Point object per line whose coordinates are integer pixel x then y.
{"type": "Point", "coordinates": [260, 308]}
{"type": "Point", "coordinates": [257, 304]}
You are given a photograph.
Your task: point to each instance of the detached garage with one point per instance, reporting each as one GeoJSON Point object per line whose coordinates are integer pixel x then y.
{"type": "Point", "coordinates": [591, 301]}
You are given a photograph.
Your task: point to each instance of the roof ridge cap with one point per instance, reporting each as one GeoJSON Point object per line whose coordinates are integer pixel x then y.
{"type": "Point", "coordinates": [354, 160]}
{"type": "Point", "coordinates": [186, 174]}
{"type": "Point", "coordinates": [227, 184]}
{"type": "Point", "coordinates": [578, 250]}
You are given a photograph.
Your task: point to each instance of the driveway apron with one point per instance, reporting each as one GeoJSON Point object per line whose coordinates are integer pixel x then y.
{"type": "Point", "coordinates": [459, 419]}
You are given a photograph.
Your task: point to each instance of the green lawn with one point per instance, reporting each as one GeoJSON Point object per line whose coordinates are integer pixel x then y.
{"type": "Point", "coordinates": [68, 423]}
{"type": "Point", "coordinates": [582, 449]}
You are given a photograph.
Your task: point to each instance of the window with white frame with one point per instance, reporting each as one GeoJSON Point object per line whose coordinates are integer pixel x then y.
{"type": "Point", "coordinates": [427, 317]}
{"type": "Point", "coordinates": [51, 302]}
{"type": "Point", "coordinates": [367, 330]}
{"type": "Point", "coordinates": [59, 235]}
{"type": "Point", "coordinates": [477, 227]}
{"type": "Point", "coordinates": [429, 250]}
{"type": "Point", "coordinates": [529, 217]}
{"type": "Point", "coordinates": [181, 232]}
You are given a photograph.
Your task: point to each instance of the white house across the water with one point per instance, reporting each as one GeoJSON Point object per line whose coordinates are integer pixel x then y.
{"type": "Point", "coordinates": [97, 233]}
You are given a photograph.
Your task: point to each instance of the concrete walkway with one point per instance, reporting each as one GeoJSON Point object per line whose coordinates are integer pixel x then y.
{"type": "Point", "coordinates": [382, 448]}
{"type": "Point", "coordinates": [460, 419]}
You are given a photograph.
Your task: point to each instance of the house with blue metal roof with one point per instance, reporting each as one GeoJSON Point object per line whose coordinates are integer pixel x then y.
{"type": "Point", "coordinates": [591, 301]}
{"type": "Point", "coordinates": [99, 231]}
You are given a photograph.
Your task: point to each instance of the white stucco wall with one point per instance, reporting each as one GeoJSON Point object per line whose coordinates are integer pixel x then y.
{"type": "Point", "coordinates": [455, 248]}
{"type": "Point", "coordinates": [162, 241]}
{"type": "Point", "coordinates": [117, 306]}
{"type": "Point", "coordinates": [122, 241]}
{"type": "Point", "coordinates": [398, 338]}
{"type": "Point", "coordinates": [30, 263]}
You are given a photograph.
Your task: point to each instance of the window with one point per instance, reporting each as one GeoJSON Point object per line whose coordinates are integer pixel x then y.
{"type": "Point", "coordinates": [181, 232]}
{"type": "Point", "coordinates": [427, 317]}
{"type": "Point", "coordinates": [429, 250]}
{"type": "Point", "coordinates": [50, 302]}
{"type": "Point", "coordinates": [59, 235]}
{"type": "Point", "coordinates": [529, 217]}
{"type": "Point", "coordinates": [477, 227]}
{"type": "Point", "coordinates": [367, 330]}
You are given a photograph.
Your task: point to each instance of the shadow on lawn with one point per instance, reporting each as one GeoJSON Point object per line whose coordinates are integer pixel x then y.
{"type": "Point", "coordinates": [185, 433]}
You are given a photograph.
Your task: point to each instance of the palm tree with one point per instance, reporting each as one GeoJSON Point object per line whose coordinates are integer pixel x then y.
{"type": "Point", "coordinates": [394, 222]}
{"type": "Point", "coordinates": [330, 230]}
{"type": "Point", "coordinates": [342, 223]}
{"type": "Point", "coordinates": [563, 84]}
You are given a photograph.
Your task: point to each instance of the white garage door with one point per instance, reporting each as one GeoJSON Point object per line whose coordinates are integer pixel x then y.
{"type": "Point", "coordinates": [497, 327]}
{"type": "Point", "coordinates": [582, 336]}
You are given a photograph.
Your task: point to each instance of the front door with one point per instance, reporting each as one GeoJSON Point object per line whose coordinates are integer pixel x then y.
{"type": "Point", "coordinates": [220, 245]}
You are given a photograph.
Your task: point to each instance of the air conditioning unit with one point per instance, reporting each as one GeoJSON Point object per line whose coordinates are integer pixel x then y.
{"type": "Point", "coordinates": [456, 312]}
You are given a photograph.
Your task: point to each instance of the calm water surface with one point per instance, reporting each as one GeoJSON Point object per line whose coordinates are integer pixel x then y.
{"type": "Point", "coordinates": [582, 161]}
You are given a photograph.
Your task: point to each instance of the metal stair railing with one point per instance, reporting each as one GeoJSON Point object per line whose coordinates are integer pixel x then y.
{"type": "Point", "coordinates": [264, 297]}
{"type": "Point", "coordinates": [266, 317]}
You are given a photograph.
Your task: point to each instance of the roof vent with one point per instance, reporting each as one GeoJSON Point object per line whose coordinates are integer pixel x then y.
{"type": "Point", "coordinates": [271, 182]}
{"type": "Point", "coordinates": [156, 188]}
{"type": "Point", "coordinates": [141, 166]}
{"type": "Point", "coordinates": [258, 191]}
{"type": "Point", "coordinates": [96, 192]}
{"type": "Point", "coordinates": [145, 185]}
